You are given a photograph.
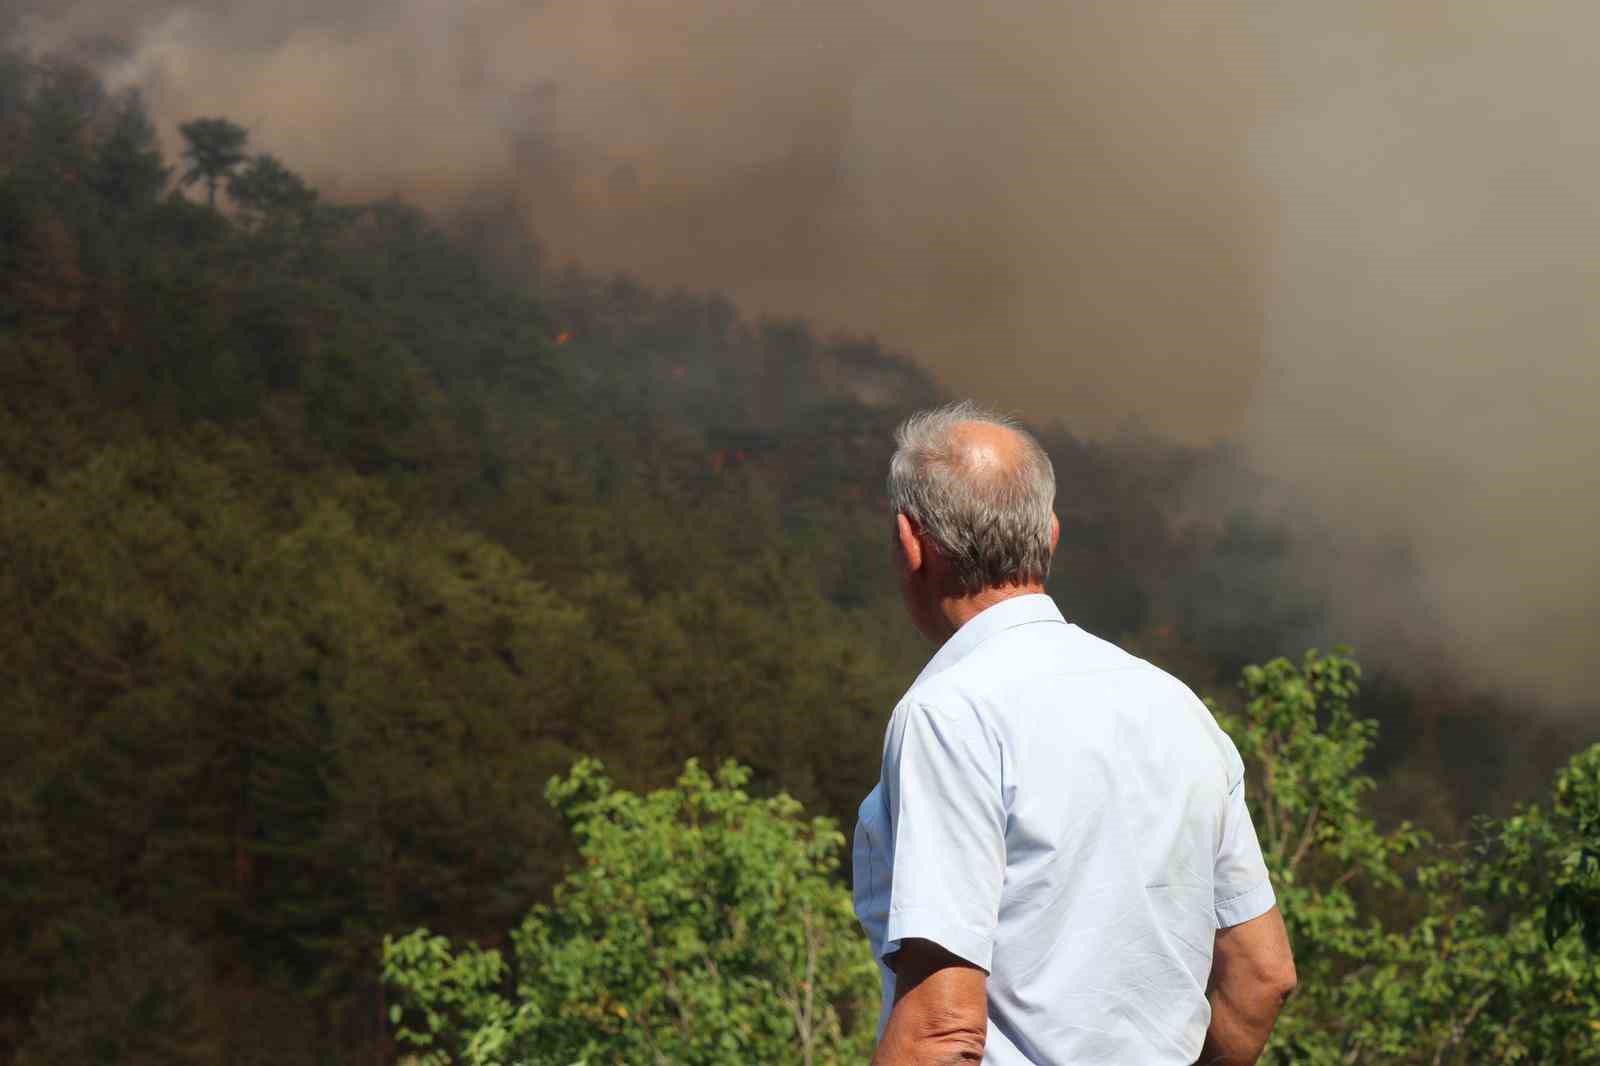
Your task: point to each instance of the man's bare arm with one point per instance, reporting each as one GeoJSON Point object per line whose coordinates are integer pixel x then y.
{"type": "Point", "coordinates": [940, 1015]}
{"type": "Point", "coordinates": [1252, 974]}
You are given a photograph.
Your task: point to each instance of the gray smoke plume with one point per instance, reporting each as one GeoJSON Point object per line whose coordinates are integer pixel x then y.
{"type": "Point", "coordinates": [1431, 334]}
{"type": "Point", "coordinates": [1362, 239]}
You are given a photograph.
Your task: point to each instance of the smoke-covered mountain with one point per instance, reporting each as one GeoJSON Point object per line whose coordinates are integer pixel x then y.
{"type": "Point", "coordinates": [329, 529]}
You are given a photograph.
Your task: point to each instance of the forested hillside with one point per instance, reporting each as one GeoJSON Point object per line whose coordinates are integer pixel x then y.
{"type": "Point", "coordinates": [330, 532]}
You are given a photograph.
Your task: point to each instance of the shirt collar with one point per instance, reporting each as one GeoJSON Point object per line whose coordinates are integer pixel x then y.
{"type": "Point", "coordinates": [1007, 614]}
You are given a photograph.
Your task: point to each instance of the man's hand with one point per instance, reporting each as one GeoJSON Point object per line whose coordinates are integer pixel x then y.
{"type": "Point", "coordinates": [1252, 973]}
{"type": "Point", "coordinates": [940, 1015]}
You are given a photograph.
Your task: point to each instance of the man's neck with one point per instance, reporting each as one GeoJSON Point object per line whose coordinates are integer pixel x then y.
{"type": "Point", "coordinates": [956, 611]}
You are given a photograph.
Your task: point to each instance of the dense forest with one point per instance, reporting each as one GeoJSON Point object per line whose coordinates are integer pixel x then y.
{"type": "Point", "coordinates": [331, 532]}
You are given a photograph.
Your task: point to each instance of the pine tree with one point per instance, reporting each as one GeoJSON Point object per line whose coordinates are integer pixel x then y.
{"type": "Point", "coordinates": [215, 148]}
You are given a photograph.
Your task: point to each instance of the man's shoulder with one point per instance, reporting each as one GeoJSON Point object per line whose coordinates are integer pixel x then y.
{"type": "Point", "coordinates": [1060, 665]}
{"type": "Point", "coordinates": [1038, 654]}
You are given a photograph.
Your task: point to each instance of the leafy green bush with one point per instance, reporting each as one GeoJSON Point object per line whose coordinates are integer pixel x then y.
{"type": "Point", "coordinates": [1411, 952]}
{"type": "Point", "coordinates": [704, 926]}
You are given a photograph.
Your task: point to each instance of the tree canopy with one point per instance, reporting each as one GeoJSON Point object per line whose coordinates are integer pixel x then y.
{"type": "Point", "coordinates": [683, 932]}
{"type": "Point", "coordinates": [213, 148]}
{"type": "Point", "coordinates": [701, 926]}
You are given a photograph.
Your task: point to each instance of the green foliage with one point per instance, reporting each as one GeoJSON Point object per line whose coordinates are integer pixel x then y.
{"type": "Point", "coordinates": [702, 926]}
{"type": "Point", "coordinates": [287, 719]}
{"type": "Point", "coordinates": [1407, 952]}
{"type": "Point", "coordinates": [130, 994]}
{"type": "Point", "coordinates": [1575, 901]}
{"type": "Point", "coordinates": [1305, 750]}
{"type": "Point", "coordinates": [1476, 979]}
{"type": "Point", "coordinates": [281, 213]}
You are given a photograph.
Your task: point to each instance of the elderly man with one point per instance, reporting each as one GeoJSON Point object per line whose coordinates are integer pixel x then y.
{"type": "Point", "coordinates": [1057, 865]}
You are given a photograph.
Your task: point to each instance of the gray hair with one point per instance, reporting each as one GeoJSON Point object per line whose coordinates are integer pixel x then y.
{"type": "Point", "coordinates": [993, 525]}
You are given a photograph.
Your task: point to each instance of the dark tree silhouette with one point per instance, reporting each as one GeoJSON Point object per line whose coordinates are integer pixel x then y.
{"type": "Point", "coordinates": [128, 168]}
{"type": "Point", "coordinates": [267, 186]}
{"type": "Point", "coordinates": [214, 148]}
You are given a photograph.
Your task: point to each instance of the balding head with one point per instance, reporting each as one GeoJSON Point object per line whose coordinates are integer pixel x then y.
{"type": "Point", "coordinates": [982, 489]}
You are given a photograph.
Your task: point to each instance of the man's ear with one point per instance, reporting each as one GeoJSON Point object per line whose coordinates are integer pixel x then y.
{"type": "Point", "coordinates": [1055, 532]}
{"type": "Point", "coordinates": [910, 543]}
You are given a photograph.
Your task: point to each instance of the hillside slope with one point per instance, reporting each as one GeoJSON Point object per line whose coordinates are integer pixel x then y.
{"type": "Point", "coordinates": [326, 537]}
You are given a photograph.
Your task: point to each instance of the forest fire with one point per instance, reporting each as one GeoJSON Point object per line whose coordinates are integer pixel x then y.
{"type": "Point", "coordinates": [328, 553]}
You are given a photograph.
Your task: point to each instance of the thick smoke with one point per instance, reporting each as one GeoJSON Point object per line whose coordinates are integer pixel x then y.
{"type": "Point", "coordinates": [1432, 336]}
{"type": "Point", "coordinates": [1359, 238]}
{"type": "Point", "coordinates": [1050, 203]}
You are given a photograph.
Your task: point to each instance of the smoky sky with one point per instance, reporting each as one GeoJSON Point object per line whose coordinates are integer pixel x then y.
{"type": "Point", "coordinates": [1431, 336]}
{"type": "Point", "coordinates": [1360, 239]}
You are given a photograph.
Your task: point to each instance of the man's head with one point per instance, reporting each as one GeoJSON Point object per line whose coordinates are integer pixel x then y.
{"type": "Point", "coordinates": [972, 494]}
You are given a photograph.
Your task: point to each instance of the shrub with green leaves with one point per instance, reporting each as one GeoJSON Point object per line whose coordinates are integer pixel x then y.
{"type": "Point", "coordinates": [1487, 973]}
{"type": "Point", "coordinates": [1410, 951]}
{"type": "Point", "coordinates": [703, 926]}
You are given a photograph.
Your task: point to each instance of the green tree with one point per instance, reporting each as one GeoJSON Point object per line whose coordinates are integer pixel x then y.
{"type": "Point", "coordinates": [1303, 748]}
{"type": "Point", "coordinates": [61, 111]}
{"type": "Point", "coordinates": [213, 147]}
{"type": "Point", "coordinates": [1411, 952]}
{"type": "Point", "coordinates": [265, 185]}
{"type": "Point", "coordinates": [1485, 974]}
{"type": "Point", "coordinates": [1575, 900]}
{"type": "Point", "coordinates": [275, 715]}
{"type": "Point", "coordinates": [128, 171]}
{"type": "Point", "coordinates": [703, 926]}
{"type": "Point", "coordinates": [130, 993]}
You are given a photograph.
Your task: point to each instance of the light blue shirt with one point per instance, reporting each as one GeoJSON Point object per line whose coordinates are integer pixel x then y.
{"type": "Point", "coordinates": [1072, 820]}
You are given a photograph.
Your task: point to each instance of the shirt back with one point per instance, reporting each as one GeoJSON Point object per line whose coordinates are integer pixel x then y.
{"type": "Point", "coordinates": [1071, 819]}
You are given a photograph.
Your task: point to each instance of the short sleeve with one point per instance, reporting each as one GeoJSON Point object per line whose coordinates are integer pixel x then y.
{"type": "Point", "coordinates": [942, 785]}
{"type": "Point", "coordinates": [1243, 890]}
